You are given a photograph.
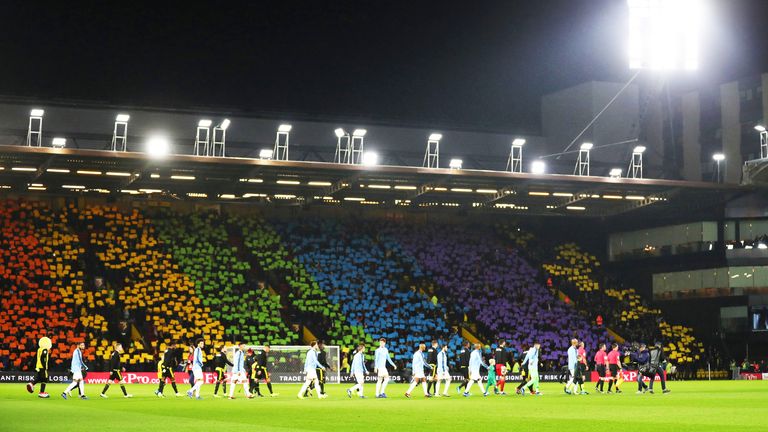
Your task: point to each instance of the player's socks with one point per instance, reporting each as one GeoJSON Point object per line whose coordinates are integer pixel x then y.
{"type": "Point", "coordinates": [106, 387]}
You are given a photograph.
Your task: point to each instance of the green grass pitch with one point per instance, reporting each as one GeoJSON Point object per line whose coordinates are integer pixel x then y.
{"type": "Point", "coordinates": [692, 406]}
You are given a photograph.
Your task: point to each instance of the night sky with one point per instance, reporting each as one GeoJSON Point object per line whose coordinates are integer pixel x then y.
{"type": "Point", "coordinates": [475, 64]}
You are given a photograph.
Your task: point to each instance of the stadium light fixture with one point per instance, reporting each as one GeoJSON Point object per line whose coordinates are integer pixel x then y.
{"type": "Point", "coordinates": [718, 157]}
{"type": "Point", "coordinates": [763, 141]}
{"type": "Point", "coordinates": [282, 140]}
{"type": "Point", "coordinates": [266, 154]}
{"type": "Point", "coordinates": [432, 154]}
{"type": "Point", "coordinates": [35, 128]}
{"type": "Point", "coordinates": [356, 146]}
{"type": "Point", "coordinates": [120, 133]}
{"type": "Point", "coordinates": [59, 142]}
{"type": "Point", "coordinates": [615, 173]}
{"type": "Point", "coordinates": [665, 34]}
{"type": "Point", "coordinates": [370, 158]}
{"type": "Point", "coordinates": [455, 164]}
{"type": "Point", "coordinates": [203, 138]}
{"type": "Point", "coordinates": [582, 163]}
{"type": "Point", "coordinates": [158, 146]}
{"type": "Point", "coordinates": [635, 169]}
{"type": "Point", "coordinates": [219, 140]}
{"type": "Point", "coordinates": [538, 167]}
{"type": "Point", "coordinates": [515, 161]}
{"type": "Point", "coordinates": [342, 155]}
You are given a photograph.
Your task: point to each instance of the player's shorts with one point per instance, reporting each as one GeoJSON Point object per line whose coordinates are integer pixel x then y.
{"type": "Point", "coordinates": [433, 369]}
{"type": "Point", "coordinates": [115, 376]}
{"type": "Point", "coordinates": [601, 369]}
{"type": "Point", "coordinates": [262, 373]}
{"type": "Point", "coordinates": [533, 372]}
{"type": "Point", "coordinates": [465, 373]}
{"type": "Point", "coordinates": [42, 376]}
{"type": "Point", "coordinates": [383, 373]}
{"type": "Point", "coordinates": [220, 374]}
{"type": "Point", "coordinates": [238, 377]}
{"type": "Point", "coordinates": [77, 375]}
{"type": "Point", "coordinates": [572, 373]}
{"type": "Point", "coordinates": [614, 370]}
{"type": "Point", "coordinates": [198, 374]}
{"type": "Point", "coordinates": [311, 374]}
{"type": "Point", "coordinates": [418, 374]}
{"type": "Point", "coordinates": [166, 372]}
{"type": "Point", "coordinates": [443, 375]}
{"type": "Point", "coordinates": [475, 376]}
{"type": "Point", "coordinates": [359, 377]}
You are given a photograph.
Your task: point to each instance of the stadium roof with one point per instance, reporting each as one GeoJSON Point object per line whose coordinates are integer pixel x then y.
{"type": "Point", "coordinates": [266, 182]}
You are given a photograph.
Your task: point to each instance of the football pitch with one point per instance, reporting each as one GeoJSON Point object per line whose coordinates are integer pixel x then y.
{"type": "Point", "coordinates": [691, 406]}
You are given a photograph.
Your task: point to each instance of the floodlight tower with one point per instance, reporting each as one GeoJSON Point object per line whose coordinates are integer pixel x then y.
{"type": "Point", "coordinates": [763, 141]}
{"type": "Point", "coordinates": [281, 142]}
{"type": "Point", "coordinates": [356, 146]}
{"type": "Point", "coordinates": [432, 155]}
{"type": "Point", "coordinates": [635, 169]}
{"type": "Point", "coordinates": [515, 162]}
{"type": "Point", "coordinates": [202, 138]}
{"type": "Point", "coordinates": [35, 129]}
{"type": "Point", "coordinates": [120, 133]}
{"type": "Point", "coordinates": [582, 163]}
{"type": "Point", "coordinates": [342, 146]}
{"type": "Point", "coordinates": [718, 157]}
{"type": "Point", "coordinates": [219, 141]}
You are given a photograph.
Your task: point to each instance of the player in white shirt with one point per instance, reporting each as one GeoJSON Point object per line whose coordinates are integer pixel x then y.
{"type": "Point", "coordinates": [310, 369]}
{"type": "Point", "coordinates": [358, 371]}
{"type": "Point", "coordinates": [418, 364]}
{"type": "Point", "coordinates": [380, 360]}
{"type": "Point", "coordinates": [443, 374]}
{"type": "Point", "coordinates": [239, 374]}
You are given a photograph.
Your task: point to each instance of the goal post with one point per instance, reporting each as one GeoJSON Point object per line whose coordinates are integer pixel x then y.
{"type": "Point", "coordinates": [286, 362]}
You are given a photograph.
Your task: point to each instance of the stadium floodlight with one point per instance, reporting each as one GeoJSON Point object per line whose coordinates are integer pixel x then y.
{"type": "Point", "coordinates": [538, 167]}
{"type": "Point", "coordinates": [204, 123]}
{"type": "Point", "coordinates": [203, 138]}
{"type": "Point", "coordinates": [158, 146]}
{"type": "Point", "coordinates": [665, 34]}
{"type": "Point", "coordinates": [266, 154]}
{"type": "Point", "coordinates": [432, 154]}
{"type": "Point", "coordinates": [370, 158]}
{"type": "Point", "coordinates": [582, 163]}
{"type": "Point", "coordinates": [635, 169]}
{"type": "Point", "coordinates": [120, 132]}
{"type": "Point", "coordinates": [35, 128]}
{"type": "Point", "coordinates": [219, 139]}
{"type": "Point", "coordinates": [615, 173]}
{"type": "Point", "coordinates": [455, 164]}
{"type": "Point", "coordinates": [282, 140]}
{"type": "Point", "coordinates": [342, 154]}
{"type": "Point", "coordinates": [59, 142]}
{"type": "Point", "coordinates": [763, 141]}
{"type": "Point", "coordinates": [356, 146]}
{"type": "Point", "coordinates": [718, 157]}
{"type": "Point", "coordinates": [515, 161]}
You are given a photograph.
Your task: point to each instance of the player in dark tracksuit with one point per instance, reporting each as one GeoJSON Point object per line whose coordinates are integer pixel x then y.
{"type": "Point", "coordinates": [464, 354]}
{"type": "Point", "coordinates": [220, 363]}
{"type": "Point", "coordinates": [432, 362]}
{"type": "Point", "coordinates": [263, 371]}
{"type": "Point", "coordinates": [170, 361]}
{"type": "Point", "coordinates": [116, 372]}
{"type": "Point", "coordinates": [251, 368]}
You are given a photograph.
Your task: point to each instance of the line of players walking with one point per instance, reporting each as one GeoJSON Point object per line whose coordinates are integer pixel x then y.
{"type": "Point", "coordinates": [249, 368]}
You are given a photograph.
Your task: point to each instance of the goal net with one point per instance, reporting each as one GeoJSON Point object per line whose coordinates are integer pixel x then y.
{"type": "Point", "coordinates": [285, 363]}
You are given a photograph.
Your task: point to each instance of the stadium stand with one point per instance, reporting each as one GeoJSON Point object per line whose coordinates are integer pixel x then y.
{"type": "Point", "coordinates": [300, 291]}
{"type": "Point", "coordinates": [496, 285]}
{"type": "Point", "coordinates": [200, 244]}
{"type": "Point", "coordinates": [160, 299]}
{"type": "Point", "coordinates": [32, 306]}
{"type": "Point", "coordinates": [357, 271]}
